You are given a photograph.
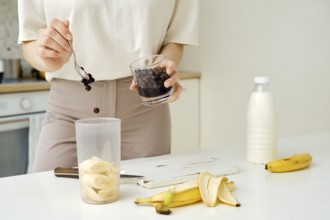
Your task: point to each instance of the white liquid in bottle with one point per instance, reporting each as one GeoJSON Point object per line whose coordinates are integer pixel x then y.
{"type": "Point", "coordinates": [261, 123]}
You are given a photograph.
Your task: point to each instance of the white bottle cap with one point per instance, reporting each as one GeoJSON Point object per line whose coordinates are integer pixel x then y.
{"type": "Point", "coordinates": [1, 66]}
{"type": "Point", "coordinates": [261, 79]}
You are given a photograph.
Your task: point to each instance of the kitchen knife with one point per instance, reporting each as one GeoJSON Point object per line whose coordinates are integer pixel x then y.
{"type": "Point", "coordinates": [73, 172]}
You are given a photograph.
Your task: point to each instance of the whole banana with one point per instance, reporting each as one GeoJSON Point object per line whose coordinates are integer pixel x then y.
{"type": "Point", "coordinates": [292, 163]}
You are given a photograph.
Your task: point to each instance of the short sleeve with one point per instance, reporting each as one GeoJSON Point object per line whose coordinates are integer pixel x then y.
{"type": "Point", "coordinates": [184, 24]}
{"type": "Point", "coordinates": [31, 18]}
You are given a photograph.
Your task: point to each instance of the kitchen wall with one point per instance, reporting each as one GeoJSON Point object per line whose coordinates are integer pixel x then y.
{"type": "Point", "coordinates": [9, 49]}
{"type": "Point", "coordinates": [288, 40]}
{"type": "Point", "coordinates": [9, 30]}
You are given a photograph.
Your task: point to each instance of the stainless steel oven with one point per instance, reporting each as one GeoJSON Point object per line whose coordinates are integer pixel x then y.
{"type": "Point", "coordinates": [17, 111]}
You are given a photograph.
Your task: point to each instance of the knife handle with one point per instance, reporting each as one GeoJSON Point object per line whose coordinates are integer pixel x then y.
{"type": "Point", "coordinates": [66, 172]}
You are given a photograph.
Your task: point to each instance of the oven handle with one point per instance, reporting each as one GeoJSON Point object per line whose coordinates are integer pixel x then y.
{"type": "Point", "coordinates": [15, 122]}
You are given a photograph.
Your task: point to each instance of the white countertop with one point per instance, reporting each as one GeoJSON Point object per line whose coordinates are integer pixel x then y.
{"type": "Point", "coordinates": [300, 195]}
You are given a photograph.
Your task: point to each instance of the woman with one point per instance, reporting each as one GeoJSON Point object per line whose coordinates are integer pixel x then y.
{"type": "Point", "coordinates": [107, 35]}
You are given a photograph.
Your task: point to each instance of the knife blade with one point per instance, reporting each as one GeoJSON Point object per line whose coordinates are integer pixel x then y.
{"type": "Point", "coordinates": [73, 172]}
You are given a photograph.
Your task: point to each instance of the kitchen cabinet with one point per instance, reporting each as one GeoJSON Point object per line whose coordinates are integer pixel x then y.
{"type": "Point", "coordinates": [185, 114]}
{"type": "Point", "coordinates": [22, 108]}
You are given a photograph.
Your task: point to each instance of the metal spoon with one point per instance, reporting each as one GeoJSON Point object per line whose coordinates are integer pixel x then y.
{"type": "Point", "coordinates": [87, 78]}
{"type": "Point", "coordinates": [80, 70]}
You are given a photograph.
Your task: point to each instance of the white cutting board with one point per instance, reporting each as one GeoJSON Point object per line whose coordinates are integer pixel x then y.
{"type": "Point", "coordinates": [164, 171]}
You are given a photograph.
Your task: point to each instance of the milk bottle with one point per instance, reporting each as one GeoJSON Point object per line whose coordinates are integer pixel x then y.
{"type": "Point", "coordinates": [261, 123]}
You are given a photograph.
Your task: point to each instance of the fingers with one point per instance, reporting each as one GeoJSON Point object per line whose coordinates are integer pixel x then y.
{"type": "Point", "coordinates": [52, 41]}
{"type": "Point", "coordinates": [133, 86]}
{"type": "Point", "coordinates": [177, 91]}
{"type": "Point", "coordinates": [67, 24]}
{"type": "Point", "coordinates": [171, 70]}
{"type": "Point", "coordinates": [173, 73]}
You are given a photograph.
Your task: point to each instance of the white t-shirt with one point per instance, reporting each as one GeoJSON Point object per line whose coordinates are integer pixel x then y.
{"type": "Point", "coordinates": [110, 34]}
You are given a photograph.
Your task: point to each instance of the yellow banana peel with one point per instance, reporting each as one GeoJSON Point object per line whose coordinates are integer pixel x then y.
{"type": "Point", "coordinates": [207, 188]}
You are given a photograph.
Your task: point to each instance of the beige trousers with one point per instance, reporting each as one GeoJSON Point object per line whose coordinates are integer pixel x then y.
{"type": "Point", "coordinates": [145, 131]}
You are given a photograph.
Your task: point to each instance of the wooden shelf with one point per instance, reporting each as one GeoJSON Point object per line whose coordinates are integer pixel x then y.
{"type": "Point", "coordinates": [24, 87]}
{"type": "Point", "coordinates": [44, 85]}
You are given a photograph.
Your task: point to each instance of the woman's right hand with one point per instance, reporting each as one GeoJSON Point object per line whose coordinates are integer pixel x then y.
{"type": "Point", "coordinates": [52, 44]}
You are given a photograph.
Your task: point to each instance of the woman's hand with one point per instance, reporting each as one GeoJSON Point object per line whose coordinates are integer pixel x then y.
{"type": "Point", "coordinates": [52, 45]}
{"type": "Point", "coordinates": [171, 70]}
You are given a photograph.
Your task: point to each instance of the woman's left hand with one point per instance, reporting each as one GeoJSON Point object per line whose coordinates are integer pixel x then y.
{"type": "Point", "coordinates": [172, 71]}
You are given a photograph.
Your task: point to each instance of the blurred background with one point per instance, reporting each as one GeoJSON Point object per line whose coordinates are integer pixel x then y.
{"type": "Point", "coordinates": [14, 66]}
{"type": "Point", "coordinates": [288, 40]}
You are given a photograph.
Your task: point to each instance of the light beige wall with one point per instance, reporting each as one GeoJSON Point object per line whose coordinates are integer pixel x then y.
{"type": "Point", "coordinates": [288, 40]}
